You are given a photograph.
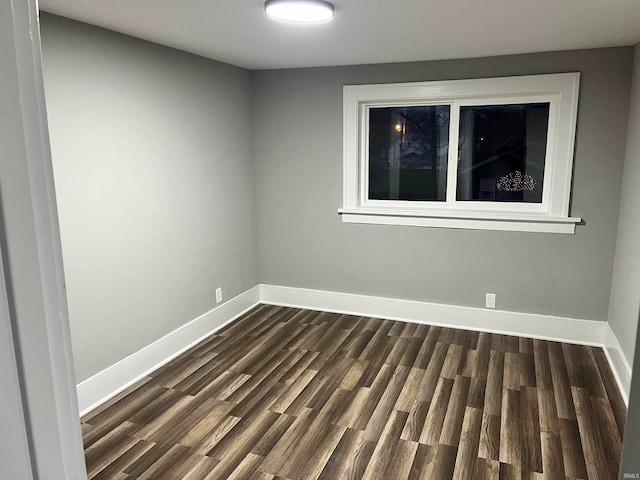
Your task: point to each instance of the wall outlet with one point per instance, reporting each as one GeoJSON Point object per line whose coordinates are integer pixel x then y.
{"type": "Point", "coordinates": [218, 294]}
{"type": "Point", "coordinates": [490, 300]}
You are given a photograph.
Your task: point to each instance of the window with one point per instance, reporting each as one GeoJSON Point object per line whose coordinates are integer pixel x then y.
{"type": "Point", "coordinates": [408, 149]}
{"type": "Point", "coordinates": [491, 153]}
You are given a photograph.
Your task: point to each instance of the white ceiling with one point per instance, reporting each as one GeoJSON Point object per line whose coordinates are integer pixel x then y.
{"type": "Point", "coordinates": [365, 31]}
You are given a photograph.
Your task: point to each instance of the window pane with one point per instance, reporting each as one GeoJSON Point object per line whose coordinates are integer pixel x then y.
{"type": "Point", "coordinates": [408, 148]}
{"type": "Point", "coordinates": [501, 153]}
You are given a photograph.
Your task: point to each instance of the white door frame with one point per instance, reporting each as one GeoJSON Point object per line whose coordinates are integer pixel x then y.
{"type": "Point", "coordinates": [34, 321]}
{"type": "Point", "coordinates": [15, 457]}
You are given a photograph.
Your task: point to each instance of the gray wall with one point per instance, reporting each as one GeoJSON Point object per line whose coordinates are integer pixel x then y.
{"type": "Point", "coordinates": [630, 463]}
{"type": "Point", "coordinates": [302, 243]}
{"type": "Point", "coordinates": [624, 304]}
{"type": "Point", "coordinates": [630, 459]}
{"type": "Point", "coordinates": [624, 308]}
{"type": "Point", "coordinates": [152, 152]}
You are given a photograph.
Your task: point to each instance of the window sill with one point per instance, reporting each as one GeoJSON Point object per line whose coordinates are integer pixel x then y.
{"type": "Point", "coordinates": [471, 220]}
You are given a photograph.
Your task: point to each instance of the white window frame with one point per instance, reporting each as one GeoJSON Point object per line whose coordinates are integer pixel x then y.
{"type": "Point", "coordinates": [551, 215]}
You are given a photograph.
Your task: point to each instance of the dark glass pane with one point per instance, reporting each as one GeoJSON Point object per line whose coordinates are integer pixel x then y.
{"type": "Point", "coordinates": [408, 148]}
{"type": "Point", "coordinates": [501, 152]}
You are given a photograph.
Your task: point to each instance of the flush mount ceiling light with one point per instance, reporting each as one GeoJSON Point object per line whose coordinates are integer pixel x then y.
{"type": "Point", "coordinates": [300, 11]}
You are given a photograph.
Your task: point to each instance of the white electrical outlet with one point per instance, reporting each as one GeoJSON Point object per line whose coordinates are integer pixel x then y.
{"type": "Point", "coordinates": [218, 294]}
{"type": "Point", "coordinates": [491, 300]}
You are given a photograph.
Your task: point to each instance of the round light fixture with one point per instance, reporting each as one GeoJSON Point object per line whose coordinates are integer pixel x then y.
{"type": "Point", "coordinates": [300, 11]}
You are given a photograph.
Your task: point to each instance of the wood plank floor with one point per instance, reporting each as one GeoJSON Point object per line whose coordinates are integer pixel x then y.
{"type": "Point", "coordinates": [294, 394]}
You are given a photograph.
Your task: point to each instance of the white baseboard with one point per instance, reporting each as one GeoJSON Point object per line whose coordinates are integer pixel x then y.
{"type": "Point", "coordinates": [618, 362]}
{"type": "Point", "coordinates": [572, 330]}
{"type": "Point", "coordinates": [112, 380]}
{"type": "Point", "coordinates": [546, 327]}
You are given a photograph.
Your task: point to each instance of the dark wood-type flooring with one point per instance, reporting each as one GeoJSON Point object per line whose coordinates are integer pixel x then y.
{"type": "Point", "coordinates": [293, 394]}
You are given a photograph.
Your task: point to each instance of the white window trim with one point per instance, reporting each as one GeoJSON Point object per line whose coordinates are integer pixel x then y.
{"type": "Point", "coordinates": [551, 216]}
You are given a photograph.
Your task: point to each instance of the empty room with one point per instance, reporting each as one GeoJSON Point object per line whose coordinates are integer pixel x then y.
{"type": "Point", "coordinates": [302, 239]}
